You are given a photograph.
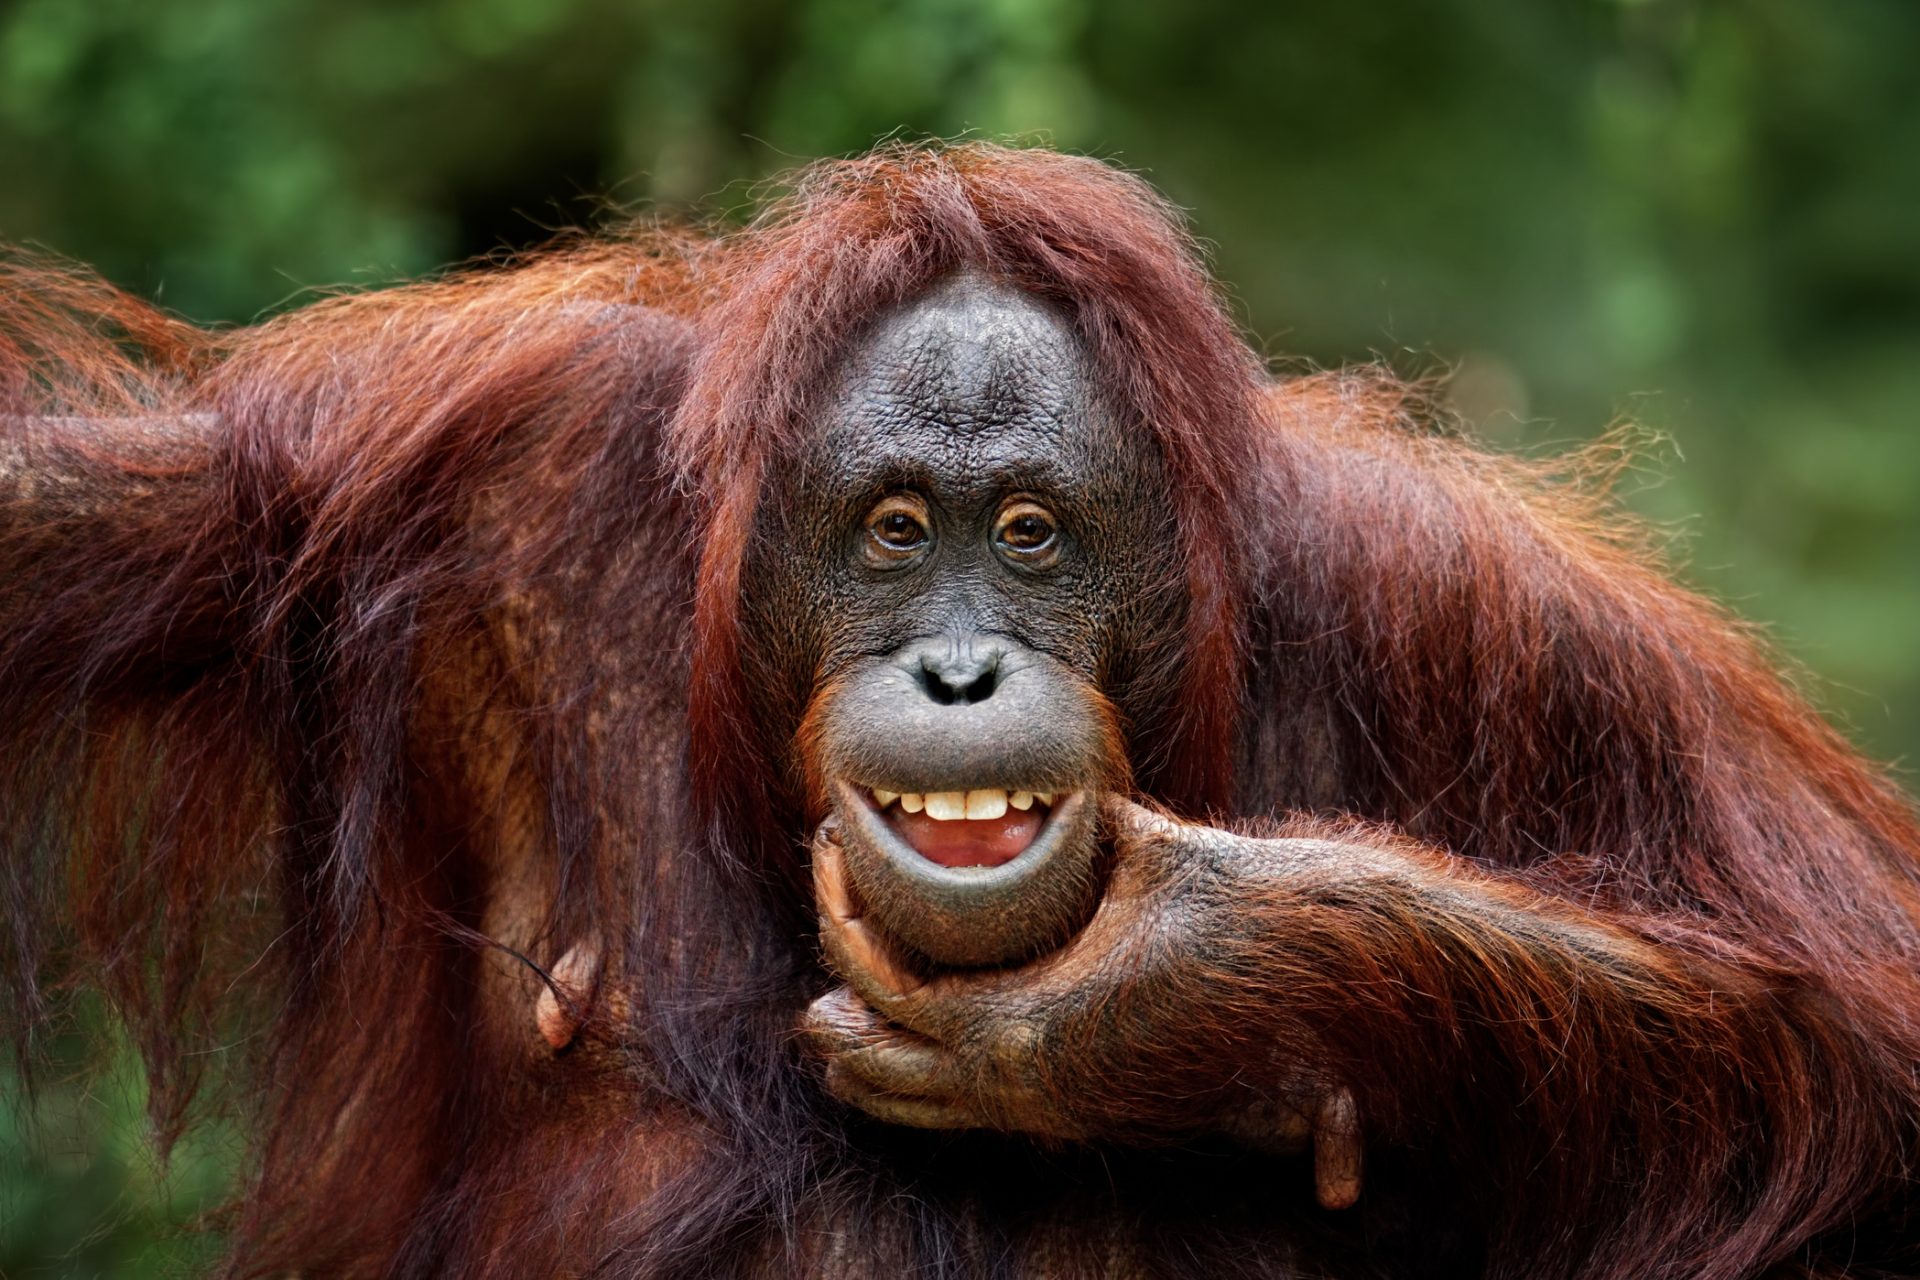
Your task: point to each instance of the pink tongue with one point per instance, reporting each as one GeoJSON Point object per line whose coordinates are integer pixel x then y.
{"type": "Point", "coordinates": [968, 842]}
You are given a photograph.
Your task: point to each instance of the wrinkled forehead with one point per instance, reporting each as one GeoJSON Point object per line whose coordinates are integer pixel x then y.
{"type": "Point", "coordinates": [973, 382]}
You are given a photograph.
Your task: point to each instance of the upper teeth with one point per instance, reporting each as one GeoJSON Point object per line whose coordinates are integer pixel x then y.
{"type": "Point", "coordinates": [947, 806]}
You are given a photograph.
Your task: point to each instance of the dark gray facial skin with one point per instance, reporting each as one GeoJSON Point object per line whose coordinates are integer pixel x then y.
{"type": "Point", "coordinates": [966, 661]}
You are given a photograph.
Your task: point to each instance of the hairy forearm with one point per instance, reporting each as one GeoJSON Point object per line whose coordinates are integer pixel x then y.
{"type": "Point", "coordinates": [1465, 1013]}
{"type": "Point", "coordinates": [97, 485]}
{"type": "Point", "coordinates": [1391, 949]}
{"type": "Point", "coordinates": [113, 554]}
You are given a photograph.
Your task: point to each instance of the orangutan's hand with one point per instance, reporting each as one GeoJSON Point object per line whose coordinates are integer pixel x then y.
{"type": "Point", "coordinates": [1109, 1036]}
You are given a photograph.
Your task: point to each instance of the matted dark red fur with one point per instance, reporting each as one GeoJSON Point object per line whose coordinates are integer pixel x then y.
{"type": "Point", "coordinates": [333, 647]}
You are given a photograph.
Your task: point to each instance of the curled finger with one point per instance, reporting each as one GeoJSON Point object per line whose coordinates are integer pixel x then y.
{"type": "Point", "coordinates": [913, 1112]}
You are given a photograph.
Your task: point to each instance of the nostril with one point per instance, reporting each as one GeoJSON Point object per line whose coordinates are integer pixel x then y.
{"type": "Point", "coordinates": [936, 686]}
{"type": "Point", "coordinates": [982, 686]}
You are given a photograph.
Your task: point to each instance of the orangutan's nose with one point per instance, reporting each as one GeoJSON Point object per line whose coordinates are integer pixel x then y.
{"type": "Point", "coordinates": [960, 669]}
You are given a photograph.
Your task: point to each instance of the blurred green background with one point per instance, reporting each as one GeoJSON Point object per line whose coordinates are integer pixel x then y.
{"type": "Point", "coordinates": [1703, 217]}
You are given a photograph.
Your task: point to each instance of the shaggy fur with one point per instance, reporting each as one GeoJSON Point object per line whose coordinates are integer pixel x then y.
{"type": "Point", "coordinates": [357, 665]}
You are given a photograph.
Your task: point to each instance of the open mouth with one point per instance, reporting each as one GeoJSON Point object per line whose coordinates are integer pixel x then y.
{"type": "Point", "coordinates": [963, 888]}
{"type": "Point", "coordinates": [983, 827]}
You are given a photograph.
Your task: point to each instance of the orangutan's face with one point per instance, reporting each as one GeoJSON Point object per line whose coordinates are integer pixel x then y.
{"type": "Point", "coordinates": [967, 569]}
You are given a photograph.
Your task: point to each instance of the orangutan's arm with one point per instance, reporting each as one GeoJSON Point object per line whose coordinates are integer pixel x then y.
{"type": "Point", "coordinates": [1361, 992]}
{"type": "Point", "coordinates": [94, 513]}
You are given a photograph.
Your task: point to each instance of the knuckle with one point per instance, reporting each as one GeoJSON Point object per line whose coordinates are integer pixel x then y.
{"type": "Point", "coordinates": [1018, 1049]}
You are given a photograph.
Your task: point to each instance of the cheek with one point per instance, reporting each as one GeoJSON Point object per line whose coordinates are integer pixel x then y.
{"type": "Point", "coordinates": [1076, 630]}
{"type": "Point", "coordinates": [810, 749]}
{"type": "Point", "coordinates": [790, 619]}
{"type": "Point", "coordinates": [1132, 613]}
{"type": "Point", "coordinates": [1123, 595]}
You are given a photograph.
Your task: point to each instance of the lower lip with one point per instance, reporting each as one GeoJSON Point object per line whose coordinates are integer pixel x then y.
{"type": "Point", "coordinates": [968, 842]}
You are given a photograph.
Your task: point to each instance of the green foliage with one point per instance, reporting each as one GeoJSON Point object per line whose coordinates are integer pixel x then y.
{"type": "Point", "coordinates": [82, 1192]}
{"type": "Point", "coordinates": [1699, 216]}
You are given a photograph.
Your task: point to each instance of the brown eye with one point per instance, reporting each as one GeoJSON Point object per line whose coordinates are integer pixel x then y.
{"type": "Point", "coordinates": [896, 529]}
{"type": "Point", "coordinates": [1025, 531]}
